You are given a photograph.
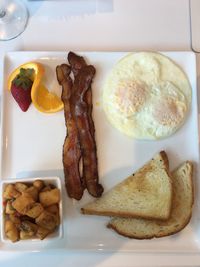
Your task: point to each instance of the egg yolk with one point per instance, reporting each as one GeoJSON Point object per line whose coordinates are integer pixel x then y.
{"type": "Point", "coordinates": [129, 97]}
{"type": "Point", "coordinates": [169, 112]}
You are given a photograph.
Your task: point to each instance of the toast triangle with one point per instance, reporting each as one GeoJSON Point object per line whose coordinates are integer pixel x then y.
{"type": "Point", "coordinates": [145, 194]}
{"type": "Point", "coordinates": [180, 215]}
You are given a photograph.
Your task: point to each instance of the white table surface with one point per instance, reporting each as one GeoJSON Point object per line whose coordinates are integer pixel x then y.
{"type": "Point", "coordinates": [103, 25]}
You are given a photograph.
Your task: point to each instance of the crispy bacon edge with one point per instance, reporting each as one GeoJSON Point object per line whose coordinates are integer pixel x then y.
{"type": "Point", "coordinates": [71, 146]}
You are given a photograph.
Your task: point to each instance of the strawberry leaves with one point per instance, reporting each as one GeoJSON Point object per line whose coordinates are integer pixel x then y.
{"type": "Point", "coordinates": [24, 79]}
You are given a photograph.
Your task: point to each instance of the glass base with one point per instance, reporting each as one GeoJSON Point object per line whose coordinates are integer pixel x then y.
{"type": "Point", "coordinates": [13, 19]}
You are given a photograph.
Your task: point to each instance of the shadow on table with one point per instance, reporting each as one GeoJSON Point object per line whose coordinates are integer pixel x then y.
{"type": "Point", "coordinates": [68, 8]}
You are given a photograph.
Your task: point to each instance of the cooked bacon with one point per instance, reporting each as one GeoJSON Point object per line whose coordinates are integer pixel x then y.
{"type": "Point", "coordinates": [71, 147]}
{"type": "Point", "coordinates": [77, 62]}
{"type": "Point", "coordinates": [82, 116]}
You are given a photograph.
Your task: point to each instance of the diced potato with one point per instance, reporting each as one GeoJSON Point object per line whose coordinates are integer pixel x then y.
{"type": "Point", "coordinates": [51, 197]}
{"type": "Point", "coordinates": [46, 188]}
{"type": "Point", "coordinates": [11, 231]}
{"type": "Point", "coordinates": [32, 191]}
{"type": "Point", "coordinates": [20, 187]}
{"type": "Point", "coordinates": [27, 218]}
{"type": "Point", "coordinates": [23, 203]}
{"type": "Point", "coordinates": [55, 210]}
{"type": "Point", "coordinates": [39, 184]}
{"type": "Point", "coordinates": [9, 208]}
{"type": "Point", "coordinates": [35, 210]}
{"type": "Point", "coordinates": [25, 235]}
{"type": "Point", "coordinates": [16, 220]}
{"type": "Point", "coordinates": [28, 230]}
{"type": "Point", "coordinates": [28, 226]}
{"type": "Point", "coordinates": [47, 220]}
{"type": "Point", "coordinates": [42, 232]}
{"type": "Point", "coordinates": [10, 192]}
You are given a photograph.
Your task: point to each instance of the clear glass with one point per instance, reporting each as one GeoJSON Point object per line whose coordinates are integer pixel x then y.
{"type": "Point", "coordinates": [13, 18]}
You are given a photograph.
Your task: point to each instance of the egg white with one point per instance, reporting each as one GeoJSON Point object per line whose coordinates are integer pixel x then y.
{"type": "Point", "coordinates": [147, 96]}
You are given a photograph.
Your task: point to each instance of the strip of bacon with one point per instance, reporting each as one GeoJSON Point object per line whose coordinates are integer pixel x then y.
{"type": "Point", "coordinates": [71, 147]}
{"type": "Point", "coordinates": [79, 106]}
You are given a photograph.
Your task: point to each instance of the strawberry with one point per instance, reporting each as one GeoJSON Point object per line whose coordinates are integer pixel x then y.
{"type": "Point", "coordinates": [21, 88]}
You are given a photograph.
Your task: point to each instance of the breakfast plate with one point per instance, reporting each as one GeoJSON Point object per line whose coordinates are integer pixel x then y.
{"type": "Point", "coordinates": [31, 146]}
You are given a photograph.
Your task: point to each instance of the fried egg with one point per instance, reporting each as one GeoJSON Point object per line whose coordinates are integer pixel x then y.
{"type": "Point", "coordinates": [147, 96]}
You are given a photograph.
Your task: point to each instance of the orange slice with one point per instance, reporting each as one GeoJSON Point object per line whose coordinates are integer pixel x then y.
{"type": "Point", "coordinates": [45, 101]}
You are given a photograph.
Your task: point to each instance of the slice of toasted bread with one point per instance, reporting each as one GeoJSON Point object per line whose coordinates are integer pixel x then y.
{"type": "Point", "coordinates": [180, 215]}
{"type": "Point", "coordinates": [145, 194]}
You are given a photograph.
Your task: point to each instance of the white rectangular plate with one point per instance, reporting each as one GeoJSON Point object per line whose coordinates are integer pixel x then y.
{"type": "Point", "coordinates": [32, 147]}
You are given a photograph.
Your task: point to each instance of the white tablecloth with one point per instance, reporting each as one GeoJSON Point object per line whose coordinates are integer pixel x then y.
{"type": "Point", "coordinates": [102, 25]}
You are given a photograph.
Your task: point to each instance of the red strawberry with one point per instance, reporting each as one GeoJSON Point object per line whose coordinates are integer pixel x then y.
{"type": "Point", "coordinates": [21, 96]}
{"type": "Point", "coordinates": [21, 88]}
